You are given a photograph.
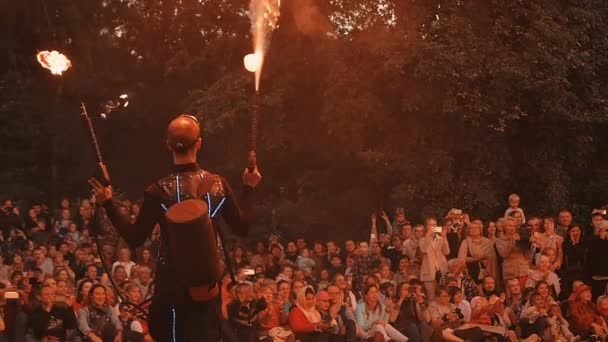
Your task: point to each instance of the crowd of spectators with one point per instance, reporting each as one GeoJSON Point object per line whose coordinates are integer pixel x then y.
{"type": "Point", "coordinates": [453, 278]}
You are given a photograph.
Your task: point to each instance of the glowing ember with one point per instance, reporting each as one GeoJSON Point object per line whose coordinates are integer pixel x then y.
{"type": "Point", "coordinates": [56, 62]}
{"type": "Point", "coordinates": [252, 62]}
{"type": "Point", "coordinates": [264, 15]}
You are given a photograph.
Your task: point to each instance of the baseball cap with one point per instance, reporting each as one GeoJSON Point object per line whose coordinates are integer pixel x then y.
{"type": "Point", "coordinates": [323, 295]}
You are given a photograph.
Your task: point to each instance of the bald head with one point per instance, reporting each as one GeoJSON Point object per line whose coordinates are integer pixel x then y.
{"type": "Point", "coordinates": [183, 134]}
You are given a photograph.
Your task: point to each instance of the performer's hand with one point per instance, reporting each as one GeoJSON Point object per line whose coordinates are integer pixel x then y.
{"type": "Point", "coordinates": [101, 193]}
{"type": "Point", "coordinates": [252, 178]}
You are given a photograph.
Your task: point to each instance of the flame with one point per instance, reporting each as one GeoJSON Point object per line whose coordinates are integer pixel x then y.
{"type": "Point", "coordinates": [56, 62]}
{"type": "Point", "coordinates": [264, 15]}
{"type": "Point", "coordinates": [252, 62]}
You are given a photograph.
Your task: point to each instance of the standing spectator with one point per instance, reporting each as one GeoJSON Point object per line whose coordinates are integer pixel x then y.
{"type": "Point", "coordinates": [387, 223]}
{"type": "Point", "coordinates": [597, 267]}
{"type": "Point", "coordinates": [479, 254]}
{"type": "Point", "coordinates": [454, 226]}
{"type": "Point", "coordinates": [394, 252]}
{"type": "Point", "coordinates": [491, 232]}
{"type": "Point", "coordinates": [564, 222]}
{"type": "Point", "coordinates": [597, 218]}
{"type": "Point", "coordinates": [575, 253]}
{"type": "Point", "coordinates": [363, 265]}
{"type": "Point", "coordinates": [97, 320]}
{"type": "Point", "coordinates": [399, 222]}
{"type": "Point", "coordinates": [372, 317]}
{"type": "Point", "coordinates": [434, 247]}
{"type": "Point", "coordinates": [51, 321]}
{"type": "Point", "coordinates": [514, 201]}
{"type": "Point", "coordinates": [511, 250]}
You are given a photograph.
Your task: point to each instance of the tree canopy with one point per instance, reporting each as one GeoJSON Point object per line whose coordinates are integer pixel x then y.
{"type": "Point", "coordinates": [364, 104]}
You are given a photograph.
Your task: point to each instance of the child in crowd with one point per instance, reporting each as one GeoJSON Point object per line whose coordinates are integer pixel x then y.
{"type": "Point", "coordinates": [305, 262]}
{"type": "Point", "coordinates": [323, 282]}
{"type": "Point", "coordinates": [558, 326]}
{"type": "Point", "coordinates": [514, 206]}
{"type": "Point", "coordinates": [73, 232]}
{"type": "Point", "coordinates": [534, 317]}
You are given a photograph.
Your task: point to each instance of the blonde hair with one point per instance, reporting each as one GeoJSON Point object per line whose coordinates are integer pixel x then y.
{"type": "Point", "coordinates": [513, 197]}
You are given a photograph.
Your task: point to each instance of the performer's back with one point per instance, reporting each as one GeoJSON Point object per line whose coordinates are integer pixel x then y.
{"type": "Point", "coordinates": [180, 309]}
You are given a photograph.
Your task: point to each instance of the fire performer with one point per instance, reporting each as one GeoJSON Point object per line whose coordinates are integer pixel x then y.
{"type": "Point", "coordinates": [186, 204]}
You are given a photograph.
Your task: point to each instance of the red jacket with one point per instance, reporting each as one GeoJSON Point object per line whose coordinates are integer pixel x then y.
{"type": "Point", "coordinates": [299, 323]}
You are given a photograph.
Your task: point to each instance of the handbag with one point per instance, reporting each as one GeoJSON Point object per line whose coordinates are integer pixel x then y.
{"type": "Point", "coordinates": [473, 267]}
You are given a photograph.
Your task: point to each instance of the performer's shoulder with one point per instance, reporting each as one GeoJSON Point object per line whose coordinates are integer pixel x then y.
{"type": "Point", "coordinates": [214, 176]}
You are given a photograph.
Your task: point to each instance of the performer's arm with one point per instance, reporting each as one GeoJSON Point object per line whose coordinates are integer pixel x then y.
{"type": "Point", "coordinates": [238, 215]}
{"type": "Point", "coordinates": [136, 234]}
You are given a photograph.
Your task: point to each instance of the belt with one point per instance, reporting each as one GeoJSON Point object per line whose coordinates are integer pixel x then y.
{"type": "Point", "coordinates": [204, 292]}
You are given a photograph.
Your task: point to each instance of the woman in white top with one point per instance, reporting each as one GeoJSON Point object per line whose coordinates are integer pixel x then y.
{"type": "Point", "coordinates": [479, 253]}
{"type": "Point", "coordinates": [434, 247]}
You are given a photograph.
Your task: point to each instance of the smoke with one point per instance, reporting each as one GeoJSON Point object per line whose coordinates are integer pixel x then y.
{"type": "Point", "coordinates": [308, 18]}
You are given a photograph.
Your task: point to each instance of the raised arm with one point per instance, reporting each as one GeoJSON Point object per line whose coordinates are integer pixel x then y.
{"type": "Point", "coordinates": [134, 233]}
{"type": "Point", "coordinates": [238, 214]}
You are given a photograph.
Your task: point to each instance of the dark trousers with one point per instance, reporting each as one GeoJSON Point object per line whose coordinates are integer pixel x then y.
{"type": "Point", "coordinates": [538, 327]}
{"type": "Point", "coordinates": [185, 322]}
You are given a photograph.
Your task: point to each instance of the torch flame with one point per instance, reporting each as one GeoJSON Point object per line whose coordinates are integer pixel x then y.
{"type": "Point", "coordinates": [264, 16]}
{"type": "Point", "coordinates": [56, 62]}
{"type": "Point", "coordinates": [253, 61]}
